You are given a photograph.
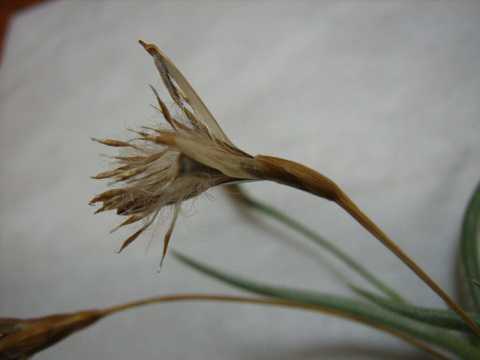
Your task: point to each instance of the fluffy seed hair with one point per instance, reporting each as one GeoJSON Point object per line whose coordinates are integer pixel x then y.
{"type": "Point", "coordinates": [166, 166]}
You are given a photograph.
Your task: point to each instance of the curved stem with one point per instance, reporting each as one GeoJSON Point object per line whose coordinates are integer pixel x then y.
{"type": "Point", "coordinates": [301, 177]}
{"type": "Point", "coordinates": [275, 302]}
{"type": "Point", "coordinates": [356, 309]}
{"type": "Point", "coordinates": [349, 206]}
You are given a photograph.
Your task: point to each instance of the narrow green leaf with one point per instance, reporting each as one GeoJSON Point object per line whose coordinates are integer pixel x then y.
{"type": "Point", "coordinates": [327, 245]}
{"type": "Point", "coordinates": [470, 248]}
{"type": "Point", "coordinates": [435, 317]}
{"type": "Point", "coordinates": [346, 306]}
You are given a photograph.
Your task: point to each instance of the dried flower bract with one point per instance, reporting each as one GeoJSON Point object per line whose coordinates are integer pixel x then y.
{"type": "Point", "coordinates": [165, 166]}
{"type": "Point", "coordinates": [22, 338]}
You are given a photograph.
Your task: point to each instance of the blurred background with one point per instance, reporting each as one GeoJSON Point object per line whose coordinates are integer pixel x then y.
{"type": "Point", "coordinates": [380, 96]}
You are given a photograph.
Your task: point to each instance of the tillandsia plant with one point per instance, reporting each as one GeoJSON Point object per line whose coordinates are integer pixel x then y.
{"type": "Point", "coordinates": [168, 166]}
{"type": "Point", "coordinates": [162, 166]}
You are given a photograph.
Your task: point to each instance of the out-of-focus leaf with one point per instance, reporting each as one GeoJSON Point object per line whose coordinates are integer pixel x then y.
{"type": "Point", "coordinates": [470, 248]}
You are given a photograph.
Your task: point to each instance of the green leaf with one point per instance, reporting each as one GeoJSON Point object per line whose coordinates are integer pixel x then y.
{"type": "Point", "coordinates": [470, 248]}
{"type": "Point", "coordinates": [436, 317]}
{"type": "Point", "coordinates": [346, 307]}
{"type": "Point", "coordinates": [240, 194]}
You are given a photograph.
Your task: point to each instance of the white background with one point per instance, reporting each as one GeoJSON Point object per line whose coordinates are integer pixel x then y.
{"type": "Point", "coordinates": [382, 97]}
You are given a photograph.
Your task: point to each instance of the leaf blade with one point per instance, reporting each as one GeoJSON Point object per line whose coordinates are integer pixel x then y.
{"type": "Point", "coordinates": [237, 193]}
{"type": "Point", "coordinates": [435, 317]}
{"type": "Point", "coordinates": [470, 247]}
{"type": "Point", "coordinates": [352, 308]}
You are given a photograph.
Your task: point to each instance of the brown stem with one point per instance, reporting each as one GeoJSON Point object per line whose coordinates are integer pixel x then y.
{"type": "Point", "coordinates": [275, 302]}
{"type": "Point", "coordinates": [349, 206]}
{"type": "Point", "coordinates": [301, 177]}
{"type": "Point", "coordinates": [23, 338]}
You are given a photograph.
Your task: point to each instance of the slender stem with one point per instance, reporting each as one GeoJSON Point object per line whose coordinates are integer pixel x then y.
{"type": "Point", "coordinates": [342, 304]}
{"type": "Point", "coordinates": [275, 302]}
{"type": "Point", "coordinates": [280, 216]}
{"type": "Point", "coordinates": [301, 177]}
{"type": "Point", "coordinates": [349, 206]}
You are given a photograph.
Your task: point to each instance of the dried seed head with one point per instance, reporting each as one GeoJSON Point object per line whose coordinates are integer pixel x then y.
{"type": "Point", "coordinates": [22, 338]}
{"type": "Point", "coordinates": [169, 165]}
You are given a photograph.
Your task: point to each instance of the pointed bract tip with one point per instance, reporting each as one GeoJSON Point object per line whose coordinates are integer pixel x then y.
{"type": "Point", "coordinates": [150, 48]}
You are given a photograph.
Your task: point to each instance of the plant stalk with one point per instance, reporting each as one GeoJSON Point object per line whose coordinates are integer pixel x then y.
{"type": "Point", "coordinates": [355, 309]}
{"type": "Point", "coordinates": [274, 302]}
{"type": "Point", "coordinates": [301, 177]}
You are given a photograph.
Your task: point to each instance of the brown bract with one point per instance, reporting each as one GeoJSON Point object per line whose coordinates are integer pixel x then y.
{"type": "Point", "coordinates": [21, 338]}
{"type": "Point", "coordinates": [166, 166]}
